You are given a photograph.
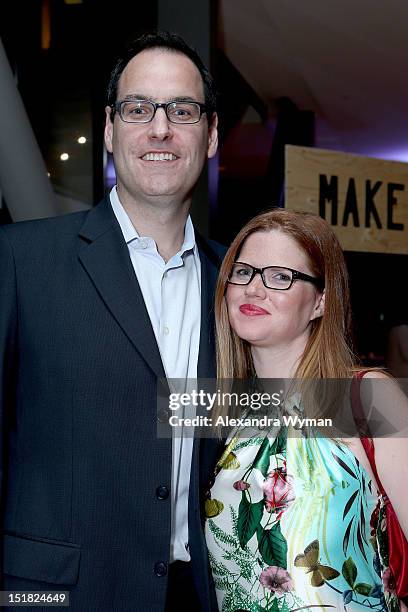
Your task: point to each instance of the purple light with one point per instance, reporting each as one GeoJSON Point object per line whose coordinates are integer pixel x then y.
{"type": "Point", "coordinates": [400, 155]}
{"type": "Point", "coordinates": [110, 175]}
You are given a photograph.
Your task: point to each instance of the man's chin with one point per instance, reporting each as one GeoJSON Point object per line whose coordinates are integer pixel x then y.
{"type": "Point", "coordinates": [164, 199]}
{"type": "Point", "coordinates": [166, 190]}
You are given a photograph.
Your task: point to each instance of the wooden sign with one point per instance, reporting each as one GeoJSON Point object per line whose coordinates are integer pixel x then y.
{"type": "Point", "coordinates": [364, 199]}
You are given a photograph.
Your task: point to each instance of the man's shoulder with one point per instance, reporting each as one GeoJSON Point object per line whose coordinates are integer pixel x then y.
{"type": "Point", "coordinates": [212, 249]}
{"type": "Point", "coordinates": [219, 248]}
{"type": "Point", "coordinates": [35, 229]}
{"type": "Point", "coordinates": [42, 232]}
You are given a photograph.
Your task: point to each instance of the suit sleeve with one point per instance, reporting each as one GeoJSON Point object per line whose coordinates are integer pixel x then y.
{"type": "Point", "coordinates": [8, 333]}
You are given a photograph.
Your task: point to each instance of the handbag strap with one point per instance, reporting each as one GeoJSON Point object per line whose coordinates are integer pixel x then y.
{"type": "Point", "coordinates": [363, 427]}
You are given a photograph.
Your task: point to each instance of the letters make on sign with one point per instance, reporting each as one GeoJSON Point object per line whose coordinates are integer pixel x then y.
{"type": "Point", "coordinates": [364, 199]}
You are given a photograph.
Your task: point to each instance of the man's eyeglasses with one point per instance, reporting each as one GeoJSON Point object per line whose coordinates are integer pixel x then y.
{"type": "Point", "coordinates": [273, 277]}
{"type": "Point", "coordinates": [143, 111]}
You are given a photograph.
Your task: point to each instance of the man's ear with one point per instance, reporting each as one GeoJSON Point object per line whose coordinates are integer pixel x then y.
{"type": "Point", "coordinates": [319, 307]}
{"type": "Point", "coordinates": [108, 134]}
{"type": "Point", "coordinates": [212, 136]}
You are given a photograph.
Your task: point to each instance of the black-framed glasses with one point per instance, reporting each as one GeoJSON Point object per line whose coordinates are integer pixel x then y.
{"type": "Point", "coordinates": [143, 111]}
{"type": "Point", "coordinates": [273, 277]}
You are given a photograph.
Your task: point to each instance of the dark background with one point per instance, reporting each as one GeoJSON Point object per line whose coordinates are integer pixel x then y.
{"type": "Point", "coordinates": [63, 83]}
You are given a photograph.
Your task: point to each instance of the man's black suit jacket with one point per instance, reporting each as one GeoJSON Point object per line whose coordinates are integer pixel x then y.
{"type": "Point", "coordinates": [81, 462]}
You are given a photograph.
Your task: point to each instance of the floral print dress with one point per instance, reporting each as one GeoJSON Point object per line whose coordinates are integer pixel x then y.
{"type": "Point", "coordinates": [288, 527]}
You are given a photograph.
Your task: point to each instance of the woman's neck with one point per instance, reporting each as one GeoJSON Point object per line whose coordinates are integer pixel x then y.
{"type": "Point", "coordinates": [277, 361]}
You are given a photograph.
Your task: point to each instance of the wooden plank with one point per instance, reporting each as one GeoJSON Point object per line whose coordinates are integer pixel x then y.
{"type": "Point", "coordinates": [364, 199]}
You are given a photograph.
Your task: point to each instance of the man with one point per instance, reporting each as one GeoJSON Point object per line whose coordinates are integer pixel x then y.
{"type": "Point", "coordinates": [95, 307]}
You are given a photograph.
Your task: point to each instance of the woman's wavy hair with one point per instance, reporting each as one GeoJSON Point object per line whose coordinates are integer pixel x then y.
{"type": "Point", "coordinates": [328, 353]}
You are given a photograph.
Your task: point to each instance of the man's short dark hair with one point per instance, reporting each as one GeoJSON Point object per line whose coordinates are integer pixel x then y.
{"type": "Point", "coordinates": [171, 42]}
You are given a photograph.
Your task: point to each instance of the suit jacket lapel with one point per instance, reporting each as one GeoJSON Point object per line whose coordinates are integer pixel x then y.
{"type": "Point", "coordinates": [105, 256]}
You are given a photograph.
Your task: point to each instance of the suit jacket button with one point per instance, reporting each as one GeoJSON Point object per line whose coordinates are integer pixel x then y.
{"type": "Point", "coordinates": [160, 568]}
{"type": "Point", "coordinates": [162, 492]}
{"type": "Point", "coordinates": [163, 415]}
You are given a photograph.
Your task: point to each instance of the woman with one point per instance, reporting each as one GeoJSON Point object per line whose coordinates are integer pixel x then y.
{"type": "Point", "coordinates": [289, 515]}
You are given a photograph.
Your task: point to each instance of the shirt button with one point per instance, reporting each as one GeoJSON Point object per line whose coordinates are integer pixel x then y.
{"type": "Point", "coordinates": [160, 568]}
{"type": "Point", "coordinates": [166, 331]}
{"type": "Point", "coordinates": [162, 492]}
{"type": "Point", "coordinates": [143, 244]}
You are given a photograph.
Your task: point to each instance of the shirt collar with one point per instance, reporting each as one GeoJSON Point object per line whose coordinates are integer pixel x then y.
{"type": "Point", "coordinates": [189, 243]}
{"type": "Point", "coordinates": [129, 231]}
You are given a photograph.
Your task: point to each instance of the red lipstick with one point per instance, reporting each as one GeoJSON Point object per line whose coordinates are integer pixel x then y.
{"type": "Point", "coordinates": [250, 310]}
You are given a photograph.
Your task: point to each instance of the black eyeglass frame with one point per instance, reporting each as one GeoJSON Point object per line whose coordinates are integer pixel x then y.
{"type": "Point", "coordinates": [117, 108]}
{"type": "Point", "coordinates": [296, 275]}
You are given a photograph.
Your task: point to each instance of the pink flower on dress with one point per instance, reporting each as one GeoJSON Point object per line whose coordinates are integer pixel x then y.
{"type": "Point", "coordinates": [278, 490]}
{"type": "Point", "coordinates": [276, 579]}
{"type": "Point", "coordinates": [241, 485]}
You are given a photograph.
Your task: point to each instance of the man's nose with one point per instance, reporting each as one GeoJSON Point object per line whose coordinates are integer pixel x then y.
{"type": "Point", "coordinates": [160, 126]}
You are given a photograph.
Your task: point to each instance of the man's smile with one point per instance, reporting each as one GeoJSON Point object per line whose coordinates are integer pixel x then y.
{"type": "Point", "coordinates": [159, 157]}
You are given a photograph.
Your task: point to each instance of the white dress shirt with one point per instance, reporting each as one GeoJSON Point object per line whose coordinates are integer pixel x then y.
{"type": "Point", "coordinates": [172, 293]}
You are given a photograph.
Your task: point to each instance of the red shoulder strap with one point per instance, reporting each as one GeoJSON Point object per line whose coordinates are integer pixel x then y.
{"type": "Point", "coordinates": [362, 425]}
